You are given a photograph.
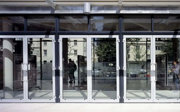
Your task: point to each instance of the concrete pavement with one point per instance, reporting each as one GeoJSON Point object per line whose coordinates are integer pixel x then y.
{"type": "Point", "coordinates": [89, 107]}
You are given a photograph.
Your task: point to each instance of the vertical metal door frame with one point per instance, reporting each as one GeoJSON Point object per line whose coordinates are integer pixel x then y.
{"type": "Point", "coordinates": [89, 69]}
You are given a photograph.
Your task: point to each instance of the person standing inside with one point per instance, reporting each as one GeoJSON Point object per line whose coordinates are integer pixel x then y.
{"type": "Point", "coordinates": [72, 69]}
{"type": "Point", "coordinates": [176, 68]}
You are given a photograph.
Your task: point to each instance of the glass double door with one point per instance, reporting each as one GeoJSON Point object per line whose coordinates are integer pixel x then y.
{"type": "Point", "coordinates": [26, 64]}
{"type": "Point", "coordinates": [88, 68]}
{"type": "Point", "coordinates": [151, 68]}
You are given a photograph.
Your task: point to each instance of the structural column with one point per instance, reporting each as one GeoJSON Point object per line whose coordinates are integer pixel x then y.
{"type": "Point", "coordinates": [121, 60]}
{"type": "Point", "coordinates": [8, 67]}
{"type": "Point", "coordinates": [7, 61]}
{"type": "Point", "coordinates": [57, 71]}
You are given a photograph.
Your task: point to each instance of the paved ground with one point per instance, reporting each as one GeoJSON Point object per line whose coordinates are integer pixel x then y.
{"type": "Point", "coordinates": [89, 107]}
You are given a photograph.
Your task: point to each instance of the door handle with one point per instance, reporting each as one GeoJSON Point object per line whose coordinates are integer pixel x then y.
{"type": "Point", "coordinates": [29, 66]}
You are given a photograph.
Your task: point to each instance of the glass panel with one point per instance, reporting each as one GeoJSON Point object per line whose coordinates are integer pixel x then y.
{"type": "Point", "coordinates": [104, 68]}
{"type": "Point", "coordinates": [137, 23]}
{"type": "Point", "coordinates": [104, 8]}
{"type": "Point", "coordinates": [41, 23]}
{"type": "Point", "coordinates": [40, 63]}
{"type": "Point", "coordinates": [167, 69]}
{"type": "Point", "coordinates": [11, 78]}
{"type": "Point", "coordinates": [74, 68]}
{"type": "Point", "coordinates": [73, 8]}
{"type": "Point", "coordinates": [73, 23]}
{"type": "Point", "coordinates": [24, 8]}
{"type": "Point", "coordinates": [166, 23]}
{"type": "Point", "coordinates": [11, 23]}
{"type": "Point", "coordinates": [138, 68]}
{"type": "Point", "coordinates": [104, 23]}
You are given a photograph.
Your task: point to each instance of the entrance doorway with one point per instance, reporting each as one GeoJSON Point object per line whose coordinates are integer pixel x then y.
{"type": "Point", "coordinates": [89, 68]}
{"type": "Point", "coordinates": [149, 68]}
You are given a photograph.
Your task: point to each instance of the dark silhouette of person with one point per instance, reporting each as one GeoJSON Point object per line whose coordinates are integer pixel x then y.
{"type": "Point", "coordinates": [72, 68]}
{"type": "Point", "coordinates": [176, 68]}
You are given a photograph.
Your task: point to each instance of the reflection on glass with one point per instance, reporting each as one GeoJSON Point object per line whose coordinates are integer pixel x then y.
{"type": "Point", "coordinates": [138, 68]}
{"type": "Point", "coordinates": [104, 68]}
{"type": "Point", "coordinates": [137, 23]}
{"type": "Point", "coordinates": [166, 23]}
{"type": "Point", "coordinates": [66, 7]}
{"type": "Point", "coordinates": [41, 23]}
{"type": "Point", "coordinates": [11, 79]}
{"type": "Point", "coordinates": [74, 68]}
{"type": "Point", "coordinates": [104, 23]}
{"type": "Point", "coordinates": [104, 7]}
{"type": "Point", "coordinates": [167, 74]}
{"type": "Point", "coordinates": [40, 64]}
{"type": "Point", "coordinates": [11, 23]}
{"type": "Point", "coordinates": [73, 23]}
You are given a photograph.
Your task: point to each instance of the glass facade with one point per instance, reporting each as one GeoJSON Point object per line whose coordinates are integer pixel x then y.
{"type": "Point", "coordinates": [87, 53]}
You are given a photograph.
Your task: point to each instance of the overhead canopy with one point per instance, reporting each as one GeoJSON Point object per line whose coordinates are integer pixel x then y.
{"type": "Point", "coordinates": [97, 6]}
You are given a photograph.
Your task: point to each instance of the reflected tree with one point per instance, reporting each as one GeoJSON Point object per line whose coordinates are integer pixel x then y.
{"type": "Point", "coordinates": [106, 50]}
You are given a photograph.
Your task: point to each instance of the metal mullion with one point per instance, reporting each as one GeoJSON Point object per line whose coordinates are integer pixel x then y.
{"type": "Point", "coordinates": [61, 68]}
{"type": "Point", "coordinates": [117, 69]}
{"type": "Point", "coordinates": [25, 68]}
{"type": "Point", "coordinates": [89, 68]}
{"type": "Point", "coordinates": [53, 69]}
{"type": "Point", "coordinates": [124, 68]}
{"type": "Point", "coordinates": [153, 68]}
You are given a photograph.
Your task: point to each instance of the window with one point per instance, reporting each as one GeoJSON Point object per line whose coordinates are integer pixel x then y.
{"type": "Point", "coordinates": [75, 52]}
{"type": "Point", "coordinates": [166, 23]}
{"type": "Point", "coordinates": [75, 42]}
{"type": "Point", "coordinates": [41, 23]}
{"type": "Point", "coordinates": [45, 52]}
{"type": "Point", "coordinates": [73, 23]}
{"type": "Point", "coordinates": [104, 23]}
{"type": "Point", "coordinates": [45, 43]}
{"type": "Point", "coordinates": [137, 23]}
{"type": "Point", "coordinates": [11, 23]}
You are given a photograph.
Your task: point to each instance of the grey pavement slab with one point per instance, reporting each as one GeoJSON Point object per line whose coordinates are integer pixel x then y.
{"type": "Point", "coordinates": [89, 107]}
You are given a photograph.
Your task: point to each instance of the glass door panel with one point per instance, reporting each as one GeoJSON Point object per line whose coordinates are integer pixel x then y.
{"type": "Point", "coordinates": [40, 59]}
{"type": "Point", "coordinates": [74, 71]}
{"type": "Point", "coordinates": [167, 68]}
{"type": "Point", "coordinates": [104, 68]}
{"type": "Point", "coordinates": [11, 77]}
{"type": "Point", "coordinates": [138, 60]}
